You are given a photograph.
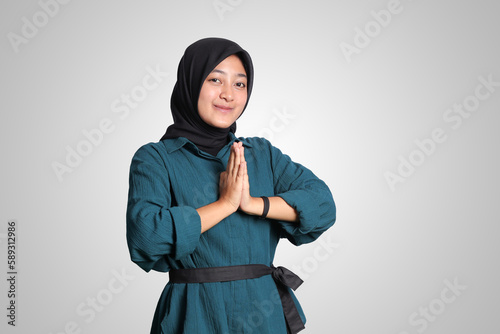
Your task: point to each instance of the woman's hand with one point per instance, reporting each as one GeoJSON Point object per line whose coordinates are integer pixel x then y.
{"type": "Point", "coordinates": [278, 208]}
{"type": "Point", "coordinates": [248, 204]}
{"type": "Point", "coordinates": [234, 188]}
{"type": "Point", "coordinates": [247, 201]}
{"type": "Point", "coordinates": [231, 180]}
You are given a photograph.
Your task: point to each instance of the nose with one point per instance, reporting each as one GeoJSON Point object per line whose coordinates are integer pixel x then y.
{"type": "Point", "coordinates": [226, 93]}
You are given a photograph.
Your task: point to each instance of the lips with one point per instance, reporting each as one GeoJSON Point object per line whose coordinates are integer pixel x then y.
{"type": "Point", "coordinates": [222, 108]}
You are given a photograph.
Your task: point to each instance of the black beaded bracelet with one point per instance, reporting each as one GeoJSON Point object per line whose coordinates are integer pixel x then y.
{"type": "Point", "coordinates": [266, 207]}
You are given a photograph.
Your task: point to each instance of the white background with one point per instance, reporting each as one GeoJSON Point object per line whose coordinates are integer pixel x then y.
{"type": "Point", "coordinates": [351, 119]}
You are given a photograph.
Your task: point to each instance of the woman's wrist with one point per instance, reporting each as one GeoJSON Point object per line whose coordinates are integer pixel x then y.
{"type": "Point", "coordinates": [226, 206]}
{"type": "Point", "coordinates": [255, 206]}
{"type": "Point", "coordinates": [211, 214]}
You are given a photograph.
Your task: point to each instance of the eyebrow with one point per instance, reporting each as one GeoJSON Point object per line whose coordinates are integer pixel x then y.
{"type": "Point", "coordinates": [222, 72]}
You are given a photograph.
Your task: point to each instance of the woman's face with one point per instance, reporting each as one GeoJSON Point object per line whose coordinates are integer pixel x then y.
{"type": "Point", "coordinates": [224, 93]}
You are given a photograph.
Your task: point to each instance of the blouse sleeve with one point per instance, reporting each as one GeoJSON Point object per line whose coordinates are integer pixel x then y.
{"type": "Point", "coordinates": [155, 228]}
{"type": "Point", "coordinates": [305, 192]}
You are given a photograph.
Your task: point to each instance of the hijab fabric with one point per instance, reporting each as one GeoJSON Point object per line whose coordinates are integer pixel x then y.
{"type": "Point", "coordinates": [199, 59]}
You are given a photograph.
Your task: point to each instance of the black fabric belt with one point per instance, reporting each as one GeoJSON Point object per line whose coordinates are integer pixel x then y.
{"type": "Point", "coordinates": [282, 277]}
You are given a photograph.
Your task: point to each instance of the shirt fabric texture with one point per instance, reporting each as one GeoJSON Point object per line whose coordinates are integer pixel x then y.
{"type": "Point", "coordinates": [168, 181]}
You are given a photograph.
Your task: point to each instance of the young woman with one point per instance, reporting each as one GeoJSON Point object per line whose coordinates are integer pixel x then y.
{"type": "Point", "coordinates": [210, 208]}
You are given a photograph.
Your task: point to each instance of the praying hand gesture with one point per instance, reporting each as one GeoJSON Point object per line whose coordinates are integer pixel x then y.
{"type": "Point", "coordinates": [234, 190]}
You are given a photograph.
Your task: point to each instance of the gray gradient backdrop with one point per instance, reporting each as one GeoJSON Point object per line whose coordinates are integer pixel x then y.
{"type": "Point", "coordinates": [353, 94]}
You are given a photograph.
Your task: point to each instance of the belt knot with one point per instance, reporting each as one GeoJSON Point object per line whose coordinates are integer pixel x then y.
{"type": "Point", "coordinates": [286, 277]}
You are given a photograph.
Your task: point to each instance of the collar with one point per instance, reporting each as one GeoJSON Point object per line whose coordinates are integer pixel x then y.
{"type": "Point", "coordinates": [175, 144]}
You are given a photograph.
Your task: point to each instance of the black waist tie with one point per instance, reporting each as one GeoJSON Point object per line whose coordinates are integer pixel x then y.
{"type": "Point", "coordinates": [282, 277]}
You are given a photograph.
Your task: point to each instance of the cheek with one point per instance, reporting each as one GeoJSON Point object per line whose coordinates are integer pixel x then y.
{"type": "Point", "coordinates": [243, 99]}
{"type": "Point", "coordinates": [207, 95]}
{"type": "Point", "coordinates": [202, 100]}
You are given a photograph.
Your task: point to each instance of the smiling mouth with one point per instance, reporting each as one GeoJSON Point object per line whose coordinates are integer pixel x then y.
{"type": "Point", "coordinates": [222, 108]}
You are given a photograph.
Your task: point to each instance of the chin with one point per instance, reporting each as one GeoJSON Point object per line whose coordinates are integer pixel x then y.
{"type": "Point", "coordinates": [222, 125]}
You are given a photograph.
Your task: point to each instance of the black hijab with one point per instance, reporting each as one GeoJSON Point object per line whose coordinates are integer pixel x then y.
{"type": "Point", "coordinates": [199, 59]}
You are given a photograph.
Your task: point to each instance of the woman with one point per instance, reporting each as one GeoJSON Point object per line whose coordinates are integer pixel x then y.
{"type": "Point", "coordinates": [210, 208]}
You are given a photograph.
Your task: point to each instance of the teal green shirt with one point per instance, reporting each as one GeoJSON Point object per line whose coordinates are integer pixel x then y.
{"type": "Point", "coordinates": [168, 181]}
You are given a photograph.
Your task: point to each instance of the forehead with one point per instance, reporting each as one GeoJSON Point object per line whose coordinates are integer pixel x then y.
{"type": "Point", "coordinates": [231, 64]}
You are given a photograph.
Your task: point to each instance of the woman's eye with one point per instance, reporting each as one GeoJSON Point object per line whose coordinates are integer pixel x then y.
{"type": "Point", "coordinates": [241, 85]}
{"type": "Point", "coordinates": [214, 80]}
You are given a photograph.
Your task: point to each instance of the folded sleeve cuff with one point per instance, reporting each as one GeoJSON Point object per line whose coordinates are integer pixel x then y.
{"type": "Point", "coordinates": [187, 224]}
{"type": "Point", "coordinates": [306, 208]}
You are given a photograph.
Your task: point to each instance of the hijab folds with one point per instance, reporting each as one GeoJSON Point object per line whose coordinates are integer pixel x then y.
{"type": "Point", "coordinates": [199, 59]}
